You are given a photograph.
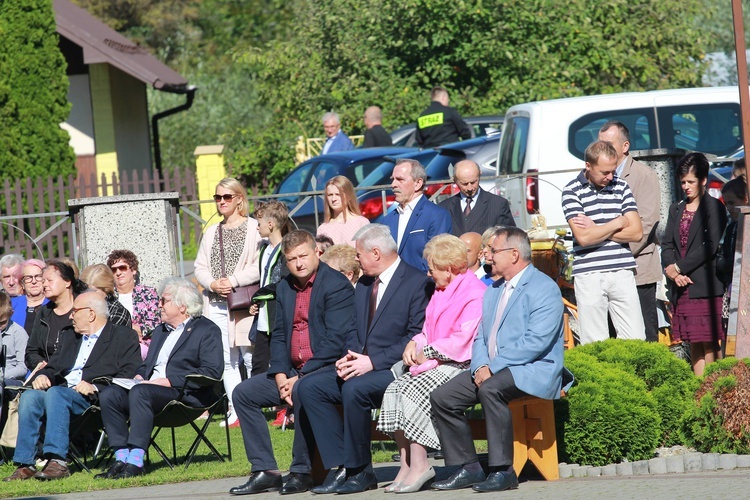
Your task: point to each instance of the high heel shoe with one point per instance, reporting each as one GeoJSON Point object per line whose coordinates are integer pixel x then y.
{"type": "Point", "coordinates": [418, 484]}
{"type": "Point", "coordinates": [391, 487]}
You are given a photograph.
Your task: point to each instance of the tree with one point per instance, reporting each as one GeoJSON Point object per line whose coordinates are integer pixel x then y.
{"type": "Point", "coordinates": [346, 55]}
{"type": "Point", "coordinates": [33, 93]}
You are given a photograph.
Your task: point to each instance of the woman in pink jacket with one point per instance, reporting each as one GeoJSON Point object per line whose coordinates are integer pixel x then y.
{"type": "Point", "coordinates": [440, 352]}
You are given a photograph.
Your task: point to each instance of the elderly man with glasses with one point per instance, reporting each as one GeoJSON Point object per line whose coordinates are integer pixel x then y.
{"type": "Point", "coordinates": [186, 343]}
{"type": "Point", "coordinates": [65, 386]}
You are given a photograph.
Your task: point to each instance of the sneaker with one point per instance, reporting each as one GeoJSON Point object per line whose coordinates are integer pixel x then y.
{"type": "Point", "coordinates": [280, 417]}
{"type": "Point", "coordinates": [232, 420]}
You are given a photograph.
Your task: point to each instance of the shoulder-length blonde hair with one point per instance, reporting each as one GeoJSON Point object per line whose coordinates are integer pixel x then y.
{"type": "Point", "coordinates": [346, 191]}
{"type": "Point", "coordinates": [446, 252]}
{"type": "Point", "coordinates": [238, 189]}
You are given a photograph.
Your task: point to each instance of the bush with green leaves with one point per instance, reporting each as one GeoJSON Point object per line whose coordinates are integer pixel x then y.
{"type": "Point", "coordinates": [719, 419]}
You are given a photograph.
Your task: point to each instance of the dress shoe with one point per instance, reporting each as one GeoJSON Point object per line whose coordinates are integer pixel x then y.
{"type": "Point", "coordinates": [53, 470]}
{"type": "Point", "coordinates": [258, 482]}
{"type": "Point", "coordinates": [460, 479]}
{"type": "Point", "coordinates": [21, 473]}
{"type": "Point", "coordinates": [334, 480]}
{"type": "Point", "coordinates": [498, 481]}
{"type": "Point", "coordinates": [418, 484]}
{"type": "Point", "coordinates": [358, 483]}
{"type": "Point", "coordinates": [131, 470]}
{"type": "Point", "coordinates": [297, 483]}
{"type": "Point", "coordinates": [112, 472]}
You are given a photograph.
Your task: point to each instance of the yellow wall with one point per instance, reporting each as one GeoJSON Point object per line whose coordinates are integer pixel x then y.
{"type": "Point", "coordinates": [104, 122]}
{"type": "Point", "coordinates": [209, 161]}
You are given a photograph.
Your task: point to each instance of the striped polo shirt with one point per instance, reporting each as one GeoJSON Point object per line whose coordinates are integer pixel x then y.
{"type": "Point", "coordinates": [601, 205]}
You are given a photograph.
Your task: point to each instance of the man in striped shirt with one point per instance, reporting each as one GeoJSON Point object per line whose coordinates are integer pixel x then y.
{"type": "Point", "coordinates": [603, 217]}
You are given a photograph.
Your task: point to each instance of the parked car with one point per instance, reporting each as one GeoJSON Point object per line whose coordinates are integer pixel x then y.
{"type": "Point", "coordinates": [480, 126]}
{"type": "Point", "coordinates": [482, 150]}
{"type": "Point", "coordinates": [312, 175]}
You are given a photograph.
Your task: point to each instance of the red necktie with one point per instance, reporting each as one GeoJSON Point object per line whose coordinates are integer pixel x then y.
{"type": "Point", "coordinates": [467, 210]}
{"type": "Point", "coordinates": [373, 300]}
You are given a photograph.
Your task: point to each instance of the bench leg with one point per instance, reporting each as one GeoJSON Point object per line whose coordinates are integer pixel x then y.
{"type": "Point", "coordinates": [540, 437]}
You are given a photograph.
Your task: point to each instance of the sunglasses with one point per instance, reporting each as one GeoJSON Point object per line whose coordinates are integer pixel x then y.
{"type": "Point", "coordinates": [123, 268]}
{"type": "Point", "coordinates": [163, 301]}
{"type": "Point", "coordinates": [225, 197]}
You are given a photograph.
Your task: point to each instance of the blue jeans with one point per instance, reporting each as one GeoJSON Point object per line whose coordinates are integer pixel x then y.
{"type": "Point", "coordinates": [58, 403]}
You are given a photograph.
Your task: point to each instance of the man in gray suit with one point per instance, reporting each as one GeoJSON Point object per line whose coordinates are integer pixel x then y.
{"type": "Point", "coordinates": [473, 209]}
{"type": "Point", "coordinates": [644, 184]}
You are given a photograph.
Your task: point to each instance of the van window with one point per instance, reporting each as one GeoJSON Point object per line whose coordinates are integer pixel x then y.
{"type": "Point", "coordinates": [640, 123]}
{"type": "Point", "coordinates": [513, 146]}
{"type": "Point", "coordinates": [709, 128]}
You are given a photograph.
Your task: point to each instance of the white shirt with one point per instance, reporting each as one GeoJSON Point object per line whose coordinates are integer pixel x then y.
{"type": "Point", "coordinates": [84, 352]}
{"type": "Point", "coordinates": [126, 299]}
{"type": "Point", "coordinates": [404, 214]}
{"type": "Point", "coordinates": [160, 370]}
{"type": "Point", "coordinates": [385, 278]}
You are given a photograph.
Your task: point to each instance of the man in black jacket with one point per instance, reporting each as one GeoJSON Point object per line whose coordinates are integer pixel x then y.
{"type": "Point", "coordinates": [440, 124]}
{"type": "Point", "coordinates": [65, 387]}
{"type": "Point", "coordinates": [375, 135]}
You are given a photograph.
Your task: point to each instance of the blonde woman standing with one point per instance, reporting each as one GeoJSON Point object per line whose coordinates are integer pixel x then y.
{"type": "Point", "coordinates": [239, 234]}
{"type": "Point", "coordinates": [342, 215]}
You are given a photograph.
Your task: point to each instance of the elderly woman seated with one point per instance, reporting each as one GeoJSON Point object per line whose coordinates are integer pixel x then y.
{"type": "Point", "coordinates": [343, 258]}
{"type": "Point", "coordinates": [100, 278]}
{"type": "Point", "coordinates": [186, 343]}
{"type": "Point", "coordinates": [441, 351]}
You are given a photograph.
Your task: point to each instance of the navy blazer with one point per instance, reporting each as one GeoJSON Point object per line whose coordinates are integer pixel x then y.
{"type": "Point", "coordinates": [199, 351]}
{"type": "Point", "coordinates": [699, 263]}
{"type": "Point", "coordinates": [398, 318]}
{"type": "Point", "coordinates": [329, 317]}
{"type": "Point", "coordinates": [115, 354]}
{"type": "Point", "coordinates": [489, 210]}
{"type": "Point", "coordinates": [427, 221]}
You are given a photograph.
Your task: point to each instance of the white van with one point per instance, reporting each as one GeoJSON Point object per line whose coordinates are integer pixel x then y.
{"type": "Point", "coordinates": [551, 136]}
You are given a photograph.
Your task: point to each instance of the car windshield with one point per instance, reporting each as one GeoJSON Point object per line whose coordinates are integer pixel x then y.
{"type": "Point", "coordinates": [382, 174]}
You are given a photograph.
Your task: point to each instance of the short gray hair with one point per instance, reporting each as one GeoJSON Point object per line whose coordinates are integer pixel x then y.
{"type": "Point", "coordinates": [518, 239]}
{"type": "Point", "coordinates": [183, 293]}
{"type": "Point", "coordinates": [376, 236]}
{"type": "Point", "coordinates": [11, 260]}
{"type": "Point", "coordinates": [96, 302]}
{"type": "Point", "coordinates": [331, 116]}
{"type": "Point", "coordinates": [417, 169]}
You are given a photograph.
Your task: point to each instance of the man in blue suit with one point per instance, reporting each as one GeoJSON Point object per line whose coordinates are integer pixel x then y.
{"type": "Point", "coordinates": [518, 351]}
{"type": "Point", "coordinates": [336, 140]}
{"type": "Point", "coordinates": [390, 301]}
{"type": "Point", "coordinates": [416, 219]}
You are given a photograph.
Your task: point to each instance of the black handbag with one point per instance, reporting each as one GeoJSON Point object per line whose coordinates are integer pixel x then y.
{"type": "Point", "coordinates": [240, 298]}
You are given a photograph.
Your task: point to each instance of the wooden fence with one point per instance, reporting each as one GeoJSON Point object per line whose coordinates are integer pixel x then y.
{"type": "Point", "coordinates": [33, 206]}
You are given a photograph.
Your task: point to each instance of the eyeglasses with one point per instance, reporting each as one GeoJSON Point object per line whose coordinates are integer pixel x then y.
{"type": "Point", "coordinates": [163, 301]}
{"type": "Point", "coordinates": [123, 268]}
{"type": "Point", "coordinates": [225, 197]}
{"type": "Point", "coordinates": [498, 250]}
{"type": "Point", "coordinates": [32, 278]}
{"type": "Point", "coordinates": [76, 309]}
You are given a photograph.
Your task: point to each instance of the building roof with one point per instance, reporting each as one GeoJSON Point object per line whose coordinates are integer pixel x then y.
{"type": "Point", "coordinates": [102, 44]}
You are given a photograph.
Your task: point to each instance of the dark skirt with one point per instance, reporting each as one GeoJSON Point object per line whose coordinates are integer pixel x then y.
{"type": "Point", "coordinates": [698, 320]}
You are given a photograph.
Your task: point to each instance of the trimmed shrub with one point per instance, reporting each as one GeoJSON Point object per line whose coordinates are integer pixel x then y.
{"type": "Point", "coordinates": [670, 380]}
{"type": "Point", "coordinates": [608, 416]}
{"type": "Point", "coordinates": [719, 419]}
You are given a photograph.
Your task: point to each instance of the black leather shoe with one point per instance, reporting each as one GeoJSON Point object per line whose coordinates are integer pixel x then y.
{"type": "Point", "coordinates": [297, 483]}
{"type": "Point", "coordinates": [258, 482]}
{"type": "Point", "coordinates": [358, 483]}
{"type": "Point", "coordinates": [460, 479]}
{"type": "Point", "coordinates": [131, 470]}
{"type": "Point", "coordinates": [498, 481]}
{"type": "Point", "coordinates": [334, 480]}
{"type": "Point", "coordinates": [112, 472]}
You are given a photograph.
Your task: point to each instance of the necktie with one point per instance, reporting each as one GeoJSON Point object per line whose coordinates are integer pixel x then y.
{"type": "Point", "coordinates": [467, 210]}
{"type": "Point", "coordinates": [373, 300]}
{"type": "Point", "coordinates": [492, 342]}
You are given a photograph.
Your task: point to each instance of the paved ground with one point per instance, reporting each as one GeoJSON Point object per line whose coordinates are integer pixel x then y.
{"type": "Point", "coordinates": [706, 485]}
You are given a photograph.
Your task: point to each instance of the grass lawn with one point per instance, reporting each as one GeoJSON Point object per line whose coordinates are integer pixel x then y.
{"type": "Point", "coordinates": [204, 466]}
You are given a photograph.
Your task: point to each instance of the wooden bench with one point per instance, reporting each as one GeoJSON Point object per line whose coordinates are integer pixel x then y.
{"type": "Point", "coordinates": [534, 437]}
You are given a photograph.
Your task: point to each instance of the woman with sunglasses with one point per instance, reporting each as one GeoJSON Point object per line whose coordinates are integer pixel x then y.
{"type": "Point", "coordinates": [61, 286]}
{"type": "Point", "coordinates": [141, 301]}
{"type": "Point", "coordinates": [27, 305]}
{"type": "Point", "coordinates": [228, 258]}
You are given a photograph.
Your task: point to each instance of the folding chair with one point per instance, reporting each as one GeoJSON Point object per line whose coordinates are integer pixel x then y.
{"type": "Point", "coordinates": [178, 414]}
{"type": "Point", "coordinates": [3, 456]}
{"type": "Point", "coordinates": [88, 422]}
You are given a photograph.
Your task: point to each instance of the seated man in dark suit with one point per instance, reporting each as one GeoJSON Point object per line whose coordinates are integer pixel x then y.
{"type": "Point", "coordinates": [518, 351]}
{"type": "Point", "coordinates": [314, 308]}
{"type": "Point", "coordinates": [416, 219]}
{"type": "Point", "coordinates": [390, 301]}
{"type": "Point", "coordinates": [186, 343]}
{"type": "Point", "coordinates": [473, 209]}
{"type": "Point", "coordinates": [65, 387]}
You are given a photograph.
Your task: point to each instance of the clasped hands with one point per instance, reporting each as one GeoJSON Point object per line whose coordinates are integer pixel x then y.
{"type": "Point", "coordinates": [222, 286]}
{"type": "Point", "coordinates": [411, 357]}
{"type": "Point", "coordinates": [679, 279]}
{"type": "Point", "coordinates": [353, 364]}
{"type": "Point", "coordinates": [285, 385]}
